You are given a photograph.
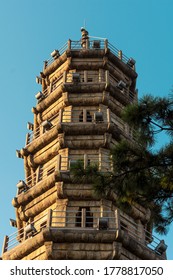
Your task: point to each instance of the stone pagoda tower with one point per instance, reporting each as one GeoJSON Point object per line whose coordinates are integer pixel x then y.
{"type": "Point", "coordinates": [84, 87]}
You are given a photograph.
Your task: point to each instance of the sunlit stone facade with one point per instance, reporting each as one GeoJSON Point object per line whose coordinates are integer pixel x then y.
{"type": "Point", "coordinates": [84, 87]}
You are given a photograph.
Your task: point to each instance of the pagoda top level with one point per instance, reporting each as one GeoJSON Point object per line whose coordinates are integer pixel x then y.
{"type": "Point", "coordinates": [90, 43]}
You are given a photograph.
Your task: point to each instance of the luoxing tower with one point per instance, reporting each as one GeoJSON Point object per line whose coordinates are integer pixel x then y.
{"type": "Point", "coordinates": [85, 86]}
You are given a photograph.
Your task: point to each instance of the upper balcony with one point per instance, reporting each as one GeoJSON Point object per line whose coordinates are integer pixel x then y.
{"type": "Point", "coordinates": [75, 121]}
{"type": "Point", "coordinates": [92, 47]}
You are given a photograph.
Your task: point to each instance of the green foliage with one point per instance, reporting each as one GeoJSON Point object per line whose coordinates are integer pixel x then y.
{"type": "Point", "coordinates": [142, 173]}
{"type": "Point", "coordinates": [151, 116]}
{"type": "Point", "coordinates": [84, 175]}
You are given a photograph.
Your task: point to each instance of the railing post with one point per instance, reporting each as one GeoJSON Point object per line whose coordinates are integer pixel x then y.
{"type": "Point", "coordinates": [58, 162]}
{"type": "Point", "coordinates": [49, 218]}
{"type": "Point", "coordinates": [101, 75]}
{"type": "Point", "coordinates": [5, 244]}
{"type": "Point", "coordinates": [87, 43]}
{"type": "Point", "coordinates": [83, 220]}
{"type": "Point", "coordinates": [85, 160]}
{"type": "Point", "coordinates": [27, 171]}
{"type": "Point", "coordinates": [85, 76]}
{"type": "Point", "coordinates": [101, 210]}
{"type": "Point", "coordinates": [50, 88]}
{"type": "Point", "coordinates": [120, 54]}
{"type": "Point", "coordinates": [100, 160]}
{"type": "Point", "coordinates": [36, 124]}
{"type": "Point", "coordinates": [60, 116]}
{"type": "Point", "coordinates": [108, 116]}
{"type": "Point", "coordinates": [45, 64]}
{"type": "Point", "coordinates": [106, 44]}
{"type": "Point", "coordinates": [27, 139]}
{"type": "Point", "coordinates": [38, 174]}
{"type": "Point", "coordinates": [117, 219]}
{"type": "Point", "coordinates": [84, 115]}
{"type": "Point", "coordinates": [107, 78]}
{"type": "Point", "coordinates": [64, 76]}
{"type": "Point", "coordinates": [69, 44]}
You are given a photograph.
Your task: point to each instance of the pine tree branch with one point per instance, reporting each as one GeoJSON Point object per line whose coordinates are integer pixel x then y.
{"type": "Point", "coordinates": [137, 169]}
{"type": "Point", "coordinates": [161, 127]}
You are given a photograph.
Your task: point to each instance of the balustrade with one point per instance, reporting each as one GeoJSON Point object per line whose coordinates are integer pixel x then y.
{"type": "Point", "coordinates": [85, 219]}
{"type": "Point", "coordinates": [101, 44]}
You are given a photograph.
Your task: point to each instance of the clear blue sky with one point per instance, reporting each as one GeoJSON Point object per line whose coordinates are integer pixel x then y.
{"type": "Point", "coordinates": [31, 29]}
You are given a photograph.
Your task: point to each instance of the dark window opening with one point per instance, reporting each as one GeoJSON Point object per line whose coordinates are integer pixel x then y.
{"type": "Point", "coordinates": [81, 117]}
{"type": "Point", "coordinates": [88, 117]}
{"type": "Point", "coordinates": [84, 218]}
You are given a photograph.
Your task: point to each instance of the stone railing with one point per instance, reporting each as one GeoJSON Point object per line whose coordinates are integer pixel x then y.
{"type": "Point", "coordinates": [86, 219]}
{"type": "Point", "coordinates": [99, 44]}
